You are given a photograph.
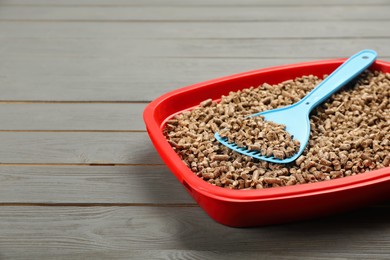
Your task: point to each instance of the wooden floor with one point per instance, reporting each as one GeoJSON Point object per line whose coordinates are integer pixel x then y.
{"type": "Point", "coordinates": [79, 177]}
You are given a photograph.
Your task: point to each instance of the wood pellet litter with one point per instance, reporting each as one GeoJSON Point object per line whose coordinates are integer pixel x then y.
{"type": "Point", "coordinates": [350, 134]}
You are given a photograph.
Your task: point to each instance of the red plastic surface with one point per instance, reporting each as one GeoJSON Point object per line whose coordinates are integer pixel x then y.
{"type": "Point", "coordinates": [242, 208]}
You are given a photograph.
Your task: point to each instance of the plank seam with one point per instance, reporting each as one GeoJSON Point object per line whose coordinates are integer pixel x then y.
{"type": "Point", "coordinates": [200, 5]}
{"type": "Point", "coordinates": [71, 102]}
{"type": "Point", "coordinates": [78, 164]}
{"type": "Point", "coordinates": [164, 205]}
{"type": "Point", "coordinates": [184, 21]}
{"type": "Point", "coordinates": [72, 131]}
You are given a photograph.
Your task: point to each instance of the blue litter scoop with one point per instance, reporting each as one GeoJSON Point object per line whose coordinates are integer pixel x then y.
{"type": "Point", "coordinates": [296, 116]}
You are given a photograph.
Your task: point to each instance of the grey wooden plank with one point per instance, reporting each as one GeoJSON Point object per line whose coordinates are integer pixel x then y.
{"type": "Point", "coordinates": [47, 50]}
{"type": "Point", "coordinates": [91, 184]}
{"type": "Point", "coordinates": [140, 70]}
{"type": "Point", "coordinates": [192, 3]}
{"type": "Point", "coordinates": [77, 148]}
{"type": "Point", "coordinates": [153, 30]}
{"type": "Point", "coordinates": [72, 116]}
{"type": "Point", "coordinates": [229, 255]}
{"type": "Point", "coordinates": [195, 13]}
{"type": "Point", "coordinates": [123, 79]}
{"type": "Point", "coordinates": [127, 80]}
{"type": "Point", "coordinates": [166, 232]}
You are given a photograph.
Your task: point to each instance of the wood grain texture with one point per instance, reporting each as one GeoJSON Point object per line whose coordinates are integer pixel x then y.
{"type": "Point", "coordinates": [91, 185]}
{"type": "Point", "coordinates": [140, 85]}
{"type": "Point", "coordinates": [215, 13]}
{"type": "Point", "coordinates": [196, 30]}
{"type": "Point", "coordinates": [51, 50]}
{"type": "Point", "coordinates": [71, 117]}
{"type": "Point", "coordinates": [71, 69]}
{"type": "Point", "coordinates": [192, 3]}
{"type": "Point", "coordinates": [112, 80]}
{"type": "Point", "coordinates": [152, 232]}
{"type": "Point", "coordinates": [77, 148]}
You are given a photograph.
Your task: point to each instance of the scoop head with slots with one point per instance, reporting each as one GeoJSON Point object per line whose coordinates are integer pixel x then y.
{"type": "Point", "coordinates": [296, 116]}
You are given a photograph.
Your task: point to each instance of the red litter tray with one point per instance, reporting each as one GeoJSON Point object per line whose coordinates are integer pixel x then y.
{"type": "Point", "coordinates": [243, 208]}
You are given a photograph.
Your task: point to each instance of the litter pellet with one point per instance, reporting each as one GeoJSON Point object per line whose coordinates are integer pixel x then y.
{"type": "Point", "coordinates": [220, 157]}
{"type": "Point", "coordinates": [350, 134]}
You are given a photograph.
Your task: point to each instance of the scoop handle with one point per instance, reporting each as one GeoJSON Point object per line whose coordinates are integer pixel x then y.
{"type": "Point", "coordinates": [352, 67]}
